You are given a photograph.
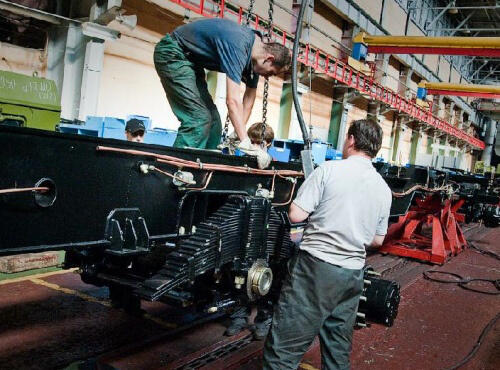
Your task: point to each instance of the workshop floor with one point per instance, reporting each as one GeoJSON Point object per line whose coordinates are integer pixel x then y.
{"type": "Point", "coordinates": [52, 320]}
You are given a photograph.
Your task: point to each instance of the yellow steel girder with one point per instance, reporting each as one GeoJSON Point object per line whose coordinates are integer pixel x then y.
{"type": "Point", "coordinates": [424, 41]}
{"type": "Point", "coordinates": [491, 89]}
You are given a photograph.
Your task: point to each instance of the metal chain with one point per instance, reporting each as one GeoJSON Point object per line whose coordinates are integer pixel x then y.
{"type": "Point", "coordinates": [247, 22]}
{"type": "Point", "coordinates": [249, 12]}
{"type": "Point", "coordinates": [268, 33]}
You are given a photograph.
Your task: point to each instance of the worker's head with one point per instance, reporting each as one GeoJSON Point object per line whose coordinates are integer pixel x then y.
{"type": "Point", "coordinates": [134, 130]}
{"type": "Point", "coordinates": [255, 134]}
{"type": "Point", "coordinates": [272, 59]}
{"type": "Point", "coordinates": [363, 137]}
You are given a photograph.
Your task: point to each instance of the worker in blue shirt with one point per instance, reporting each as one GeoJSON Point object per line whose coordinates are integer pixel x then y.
{"type": "Point", "coordinates": [217, 45]}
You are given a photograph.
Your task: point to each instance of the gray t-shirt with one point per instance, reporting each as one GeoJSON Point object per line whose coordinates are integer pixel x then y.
{"type": "Point", "coordinates": [348, 202]}
{"type": "Point", "coordinates": [220, 45]}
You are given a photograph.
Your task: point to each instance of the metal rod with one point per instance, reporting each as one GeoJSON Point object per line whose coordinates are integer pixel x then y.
{"type": "Point", "coordinates": [438, 17]}
{"type": "Point", "coordinates": [458, 7]}
{"type": "Point", "coordinates": [55, 247]}
{"type": "Point", "coordinates": [463, 22]}
{"type": "Point", "coordinates": [468, 29]}
{"type": "Point", "coordinates": [295, 95]}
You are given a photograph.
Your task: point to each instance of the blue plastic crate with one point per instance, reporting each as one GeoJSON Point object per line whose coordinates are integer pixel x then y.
{"type": "Point", "coordinates": [113, 122]}
{"type": "Point", "coordinates": [279, 143]}
{"type": "Point", "coordinates": [279, 154]}
{"type": "Point", "coordinates": [88, 131]}
{"type": "Point", "coordinates": [69, 128]}
{"type": "Point", "coordinates": [319, 152]}
{"type": "Point", "coordinates": [295, 146]}
{"type": "Point", "coordinates": [114, 133]}
{"type": "Point", "coordinates": [77, 129]}
{"type": "Point", "coordinates": [146, 120]}
{"type": "Point", "coordinates": [160, 137]}
{"type": "Point", "coordinates": [95, 123]}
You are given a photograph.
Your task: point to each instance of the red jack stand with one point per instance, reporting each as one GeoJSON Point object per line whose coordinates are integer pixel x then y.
{"type": "Point", "coordinates": [429, 231]}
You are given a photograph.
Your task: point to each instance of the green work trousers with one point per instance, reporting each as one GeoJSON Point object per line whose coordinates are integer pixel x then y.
{"type": "Point", "coordinates": [187, 93]}
{"type": "Point", "coordinates": [316, 298]}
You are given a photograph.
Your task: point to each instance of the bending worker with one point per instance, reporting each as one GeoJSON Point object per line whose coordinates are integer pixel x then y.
{"type": "Point", "coordinates": [217, 45]}
{"type": "Point", "coordinates": [348, 205]}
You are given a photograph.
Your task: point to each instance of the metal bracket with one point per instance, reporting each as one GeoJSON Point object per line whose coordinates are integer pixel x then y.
{"type": "Point", "coordinates": [127, 231]}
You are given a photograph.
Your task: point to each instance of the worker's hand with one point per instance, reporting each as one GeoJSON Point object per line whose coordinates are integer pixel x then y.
{"type": "Point", "coordinates": [263, 158]}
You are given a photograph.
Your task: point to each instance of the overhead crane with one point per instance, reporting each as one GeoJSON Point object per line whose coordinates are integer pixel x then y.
{"type": "Point", "coordinates": [442, 88]}
{"type": "Point", "coordinates": [473, 46]}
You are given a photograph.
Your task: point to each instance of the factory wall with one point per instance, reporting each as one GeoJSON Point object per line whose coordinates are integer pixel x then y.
{"type": "Point", "coordinates": [129, 83]}
{"type": "Point", "coordinates": [23, 60]}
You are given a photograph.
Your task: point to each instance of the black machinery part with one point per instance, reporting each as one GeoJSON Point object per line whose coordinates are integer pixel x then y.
{"type": "Point", "coordinates": [379, 301]}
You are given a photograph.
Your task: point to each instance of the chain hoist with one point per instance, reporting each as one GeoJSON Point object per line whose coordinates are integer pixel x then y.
{"type": "Point", "coordinates": [249, 12]}
{"type": "Point", "coordinates": [248, 18]}
{"type": "Point", "coordinates": [268, 34]}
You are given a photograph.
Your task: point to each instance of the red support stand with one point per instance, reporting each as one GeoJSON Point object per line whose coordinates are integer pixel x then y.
{"type": "Point", "coordinates": [429, 231]}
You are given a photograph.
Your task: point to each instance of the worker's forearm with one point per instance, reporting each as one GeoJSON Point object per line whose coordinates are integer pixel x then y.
{"type": "Point", "coordinates": [236, 113]}
{"type": "Point", "coordinates": [247, 109]}
{"type": "Point", "coordinates": [248, 101]}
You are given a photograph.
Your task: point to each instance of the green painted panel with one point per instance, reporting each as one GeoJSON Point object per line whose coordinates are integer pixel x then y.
{"type": "Point", "coordinates": [34, 92]}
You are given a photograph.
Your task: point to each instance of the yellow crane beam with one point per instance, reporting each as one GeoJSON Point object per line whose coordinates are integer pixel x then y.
{"type": "Point", "coordinates": [477, 46]}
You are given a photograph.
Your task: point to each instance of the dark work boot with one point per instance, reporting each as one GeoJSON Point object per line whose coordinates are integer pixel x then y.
{"type": "Point", "coordinates": [238, 324]}
{"type": "Point", "coordinates": [261, 328]}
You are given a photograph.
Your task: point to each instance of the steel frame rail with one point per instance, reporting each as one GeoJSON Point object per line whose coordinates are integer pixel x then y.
{"type": "Point", "coordinates": [323, 63]}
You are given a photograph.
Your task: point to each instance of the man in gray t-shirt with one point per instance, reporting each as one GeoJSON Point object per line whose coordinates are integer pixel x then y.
{"type": "Point", "coordinates": [348, 206]}
{"type": "Point", "coordinates": [217, 45]}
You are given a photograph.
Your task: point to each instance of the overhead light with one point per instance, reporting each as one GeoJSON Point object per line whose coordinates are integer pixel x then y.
{"type": "Point", "coordinates": [452, 9]}
{"type": "Point", "coordinates": [466, 30]}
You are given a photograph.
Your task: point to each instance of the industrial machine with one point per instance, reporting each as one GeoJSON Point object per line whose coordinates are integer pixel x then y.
{"type": "Point", "coordinates": [186, 227]}
{"type": "Point", "coordinates": [28, 101]}
{"type": "Point", "coordinates": [430, 206]}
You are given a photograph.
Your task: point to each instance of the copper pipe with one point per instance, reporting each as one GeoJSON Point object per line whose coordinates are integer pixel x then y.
{"type": "Point", "coordinates": [41, 189]}
{"type": "Point", "coordinates": [207, 181]}
{"type": "Point", "coordinates": [180, 163]}
{"type": "Point", "coordinates": [289, 200]}
{"type": "Point", "coordinates": [169, 174]}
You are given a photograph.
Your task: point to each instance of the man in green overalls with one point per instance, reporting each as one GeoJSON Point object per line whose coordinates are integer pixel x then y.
{"type": "Point", "coordinates": [217, 45]}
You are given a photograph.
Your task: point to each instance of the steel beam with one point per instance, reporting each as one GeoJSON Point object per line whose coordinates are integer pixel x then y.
{"type": "Point", "coordinates": [441, 88]}
{"type": "Point", "coordinates": [463, 23]}
{"type": "Point", "coordinates": [482, 46]}
{"type": "Point", "coordinates": [488, 75]}
{"type": "Point", "coordinates": [479, 69]}
{"type": "Point", "coordinates": [470, 29]}
{"type": "Point", "coordinates": [438, 17]}
{"type": "Point", "coordinates": [353, 12]}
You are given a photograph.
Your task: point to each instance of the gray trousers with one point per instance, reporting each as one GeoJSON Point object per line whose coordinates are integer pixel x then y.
{"type": "Point", "coordinates": [316, 298]}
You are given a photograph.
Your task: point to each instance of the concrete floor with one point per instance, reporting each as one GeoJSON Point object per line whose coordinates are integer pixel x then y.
{"type": "Point", "coordinates": [52, 320]}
